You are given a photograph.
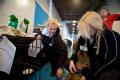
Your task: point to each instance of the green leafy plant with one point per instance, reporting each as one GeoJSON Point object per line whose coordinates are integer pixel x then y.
{"type": "Point", "coordinates": [26, 22]}
{"type": "Point", "coordinates": [13, 21]}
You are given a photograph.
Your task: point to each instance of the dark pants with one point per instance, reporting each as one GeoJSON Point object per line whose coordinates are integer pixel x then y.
{"type": "Point", "coordinates": [3, 76]}
{"type": "Point", "coordinates": [110, 75]}
{"type": "Point", "coordinates": [52, 60]}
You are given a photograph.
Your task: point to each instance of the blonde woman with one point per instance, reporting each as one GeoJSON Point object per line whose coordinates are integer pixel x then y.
{"type": "Point", "coordinates": [54, 50]}
{"type": "Point", "coordinates": [102, 46]}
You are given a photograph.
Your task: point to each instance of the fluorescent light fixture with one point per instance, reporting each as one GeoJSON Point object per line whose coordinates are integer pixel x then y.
{"type": "Point", "coordinates": [59, 24]}
{"type": "Point", "coordinates": [23, 2]}
{"type": "Point", "coordinates": [73, 24]}
{"type": "Point", "coordinates": [73, 28]}
{"type": "Point", "coordinates": [74, 21]}
{"type": "Point", "coordinates": [73, 31]}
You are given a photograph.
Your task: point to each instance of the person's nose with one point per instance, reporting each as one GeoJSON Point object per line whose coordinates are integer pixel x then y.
{"type": "Point", "coordinates": [53, 31]}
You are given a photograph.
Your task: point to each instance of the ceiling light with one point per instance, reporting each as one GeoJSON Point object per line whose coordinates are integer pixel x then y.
{"type": "Point", "coordinates": [59, 24]}
{"type": "Point", "coordinates": [73, 24]}
{"type": "Point", "coordinates": [74, 21]}
{"type": "Point", "coordinates": [23, 2]}
{"type": "Point", "coordinates": [73, 31]}
{"type": "Point", "coordinates": [73, 28]}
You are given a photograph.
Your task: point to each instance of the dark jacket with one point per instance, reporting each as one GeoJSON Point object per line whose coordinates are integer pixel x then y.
{"type": "Point", "coordinates": [54, 50]}
{"type": "Point", "coordinates": [109, 54]}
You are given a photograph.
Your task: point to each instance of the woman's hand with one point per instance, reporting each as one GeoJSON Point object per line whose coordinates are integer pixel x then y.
{"type": "Point", "coordinates": [72, 67]}
{"type": "Point", "coordinates": [59, 73]}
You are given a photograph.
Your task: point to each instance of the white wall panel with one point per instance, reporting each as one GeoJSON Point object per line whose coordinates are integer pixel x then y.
{"type": "Point", "coordinates": [21, 8]}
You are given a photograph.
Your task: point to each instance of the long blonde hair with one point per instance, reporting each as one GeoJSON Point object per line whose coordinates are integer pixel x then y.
{"type": "Point", "coordinates": [90, 18]}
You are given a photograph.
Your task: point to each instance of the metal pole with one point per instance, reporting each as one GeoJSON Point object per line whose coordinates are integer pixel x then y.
{"type": "Point", "coordinates": [50, 8]}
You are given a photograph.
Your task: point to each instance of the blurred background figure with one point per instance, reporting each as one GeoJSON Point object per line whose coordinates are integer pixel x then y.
{"type": "Point", "coordinates": [108, 17]}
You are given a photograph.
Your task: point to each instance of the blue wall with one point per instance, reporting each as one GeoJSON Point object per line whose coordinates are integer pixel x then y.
{"type": "Point", "coordinates": [40, 15]}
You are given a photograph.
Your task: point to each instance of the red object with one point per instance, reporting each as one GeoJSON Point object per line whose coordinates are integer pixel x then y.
{"type": "Point", "coordinates": [108, 21]}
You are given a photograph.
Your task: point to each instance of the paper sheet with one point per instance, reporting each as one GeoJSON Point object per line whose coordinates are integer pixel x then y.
{"type": "Point", "coordinates": [7, 52]}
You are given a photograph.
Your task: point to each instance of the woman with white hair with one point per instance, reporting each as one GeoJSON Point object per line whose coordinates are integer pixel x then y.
{"type": "Point", "coordinates": [108, 17]}
{"type": "Point", "coordinates": [101, 45]}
